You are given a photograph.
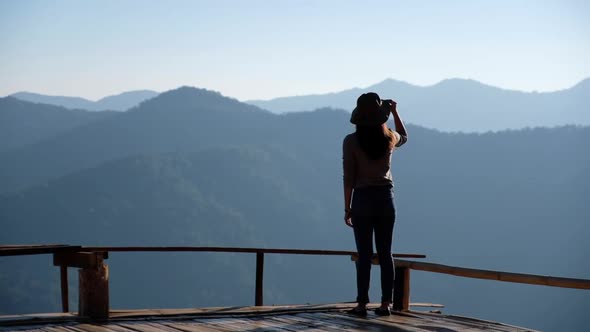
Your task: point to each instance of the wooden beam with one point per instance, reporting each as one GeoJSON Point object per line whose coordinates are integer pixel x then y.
{"type": "Point", "coordinates": [242, 250]}
{"type": "Point", "coordinates": [427, 305]}
{"type": "Point", "coordinates": [65, 302]}
{"type": "Point", "coordinates": [91, 260]}
{"type": "Point", "coordinates": [18, 250]}
{"type": "Point", "coordinates": [258, 301]}
{"type": "Point", "coordinates": [531, 279]}
{"type": "Point", "coordinates": [401, 289]}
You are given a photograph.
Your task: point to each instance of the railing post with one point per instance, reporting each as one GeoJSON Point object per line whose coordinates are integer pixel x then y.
{"type": "Point", "coordinates": [258, 301]}
{"type": "Point", "coordinates": [93, 297]}
{"type": "Point", "coordinates": [401, 289]}
{"type": "Point", "coordinates": [63, 275]}
{"type": "Point", "coordinates": [94, 292]}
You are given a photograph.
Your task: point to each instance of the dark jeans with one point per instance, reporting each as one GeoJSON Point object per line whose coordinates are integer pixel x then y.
{"type": "Point", "coordinates": [373, 212]}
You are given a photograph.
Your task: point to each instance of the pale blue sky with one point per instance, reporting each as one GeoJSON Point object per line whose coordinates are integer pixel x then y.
{"type": "Point", "coordinates": [265, 49]}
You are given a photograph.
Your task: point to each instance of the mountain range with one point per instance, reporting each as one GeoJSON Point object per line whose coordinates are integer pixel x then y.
{"type": "Point", "coordinates": [452, 105]}
{"type": "Point", "coordinates": [192, 167]}
{"type": "Point", "coordinates": [119, 102]}
{"type": "Point", "coordinates": [458, 105]}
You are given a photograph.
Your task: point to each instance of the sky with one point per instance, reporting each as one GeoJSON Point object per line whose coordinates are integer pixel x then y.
{"type": "Point", "coordinates": [265, 49]}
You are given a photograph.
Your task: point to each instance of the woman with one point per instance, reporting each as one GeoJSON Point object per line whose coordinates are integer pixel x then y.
{"type": "Point", "coordinates": [366, 164]}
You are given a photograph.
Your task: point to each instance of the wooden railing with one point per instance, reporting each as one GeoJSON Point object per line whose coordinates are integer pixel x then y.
{"type": "Point", "coordinates": [94, 299]}
{"type": "Point", "coordinates": [93, 288]}
{"type": "Point", "coordinates": [531, 279]}
{"type": "Point", "coordinates": [403, 267]}
{"type": "Point", "coordinates": [260, 252]}
{"type": "Point", "coordinates": [401, 299]}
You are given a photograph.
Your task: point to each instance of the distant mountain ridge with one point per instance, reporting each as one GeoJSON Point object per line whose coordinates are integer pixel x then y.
{"type": "Point", "coordinates": [23, 122]}
{"type": "Point", "coordinates": [451, 105]}
{"type": "Point", "coordinates": [458, 105]}
{"type": "Point", "coordinates": [119, 102]}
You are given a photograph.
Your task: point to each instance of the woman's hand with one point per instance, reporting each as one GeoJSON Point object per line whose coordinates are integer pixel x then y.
{"type": "Point", "coordinates": [399, 124]}
{"type": "Point", "coordinates": [348, 218]}
{"type": "Point", "coordinates": [391, 105]}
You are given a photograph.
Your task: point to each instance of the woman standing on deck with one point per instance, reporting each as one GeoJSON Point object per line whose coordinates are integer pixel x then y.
{"type": "Point", "coordinates": [367, 173]}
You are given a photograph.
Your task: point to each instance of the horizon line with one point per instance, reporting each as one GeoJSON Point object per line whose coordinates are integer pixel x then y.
{"type": "Point", "coordinates": [302, 95]}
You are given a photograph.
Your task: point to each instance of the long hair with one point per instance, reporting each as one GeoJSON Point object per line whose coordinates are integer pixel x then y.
{"type": "Point", "coordinates": [375, 141]}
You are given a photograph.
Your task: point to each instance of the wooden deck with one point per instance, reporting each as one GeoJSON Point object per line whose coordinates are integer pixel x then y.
{"type": "Point", "coordinates": [332, 317]}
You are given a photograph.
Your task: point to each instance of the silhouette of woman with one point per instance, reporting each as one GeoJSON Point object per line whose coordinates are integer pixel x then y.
{"type": "Point", "coordinates": [367, 175]}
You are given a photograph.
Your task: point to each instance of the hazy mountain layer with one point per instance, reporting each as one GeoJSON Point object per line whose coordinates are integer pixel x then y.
{"type": "Point", "coordinates": [459, 105]}
{"type": "Point", "coordinates": [194, 167]}
{"type": "Point", "coordinates": [119, 102]}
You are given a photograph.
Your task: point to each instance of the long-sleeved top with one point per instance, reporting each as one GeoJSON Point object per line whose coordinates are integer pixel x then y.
{"type": "Point", "coordinates": [359, 170]}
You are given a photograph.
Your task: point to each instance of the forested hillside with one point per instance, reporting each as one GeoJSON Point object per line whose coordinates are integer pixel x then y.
{"type": "Point", "coordinates": [191, 167]}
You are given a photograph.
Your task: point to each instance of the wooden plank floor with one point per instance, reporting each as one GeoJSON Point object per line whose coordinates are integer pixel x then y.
{"type": "Point", "coordinates": [256, 319]}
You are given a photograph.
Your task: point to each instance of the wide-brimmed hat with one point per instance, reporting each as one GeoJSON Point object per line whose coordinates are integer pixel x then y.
{"type": "Point", "coordinates": [368, 111]}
